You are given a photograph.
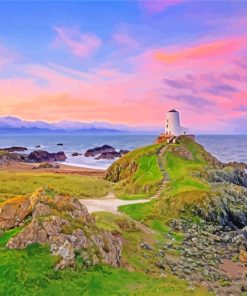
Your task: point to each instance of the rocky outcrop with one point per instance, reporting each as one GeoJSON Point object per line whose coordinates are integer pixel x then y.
{"type": "Point", "coordinates": [14, 149]}
{"type": "Point", "coordinates": [105, 152]}
{"type": "Point", "coordinates": [108, 155]}
{"type": "Point", "coordinates": [44, 156]}
{"type": "Point", "coordinates": [98, 150]}
{"type": "Point", "coordinates": [225, 206]}
{"type": "Point", "coordinates": [6, 157]}
{"type": "Point", "coordinates": [237, 165]}
{"type": "Point", "coordinates": [180, 151]}
{"type": "Point", "coordinates": [13, 211]}
{"type": "Point", "coordinates": [65, 225]}
{"type": "Point", "coordinates": [206, 255]}
{"type": "Point", "coordinates": [227, 174]}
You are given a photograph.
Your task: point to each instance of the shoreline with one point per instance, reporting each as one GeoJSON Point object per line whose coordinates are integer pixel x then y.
{"type": "Point", "coordinates": [64, 168]}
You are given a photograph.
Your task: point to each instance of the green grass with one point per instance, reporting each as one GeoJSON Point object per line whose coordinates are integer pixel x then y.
{"type": "Point", "coordinates": [183, 188]}
{"type": "Point", "coordinates": [137, 173]}
{"type": "Point", "coordinates": [180, 173]}
{"type": "Point", "coordinates": [31, 272]}
{"type": "Point", "coordinates": [139, 212]}
{"type": "Point", "coordinates": [74, 185]}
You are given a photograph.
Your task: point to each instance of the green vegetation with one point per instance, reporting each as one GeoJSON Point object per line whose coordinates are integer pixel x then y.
{"type": "Point", "coordinates": [137, 173]}
{"type": "Point", "coordinates": [78, 186]}
{"type": "Point", "coordinates": [31, 272]}
{"type": "Point", "coordinates": [184, 187]}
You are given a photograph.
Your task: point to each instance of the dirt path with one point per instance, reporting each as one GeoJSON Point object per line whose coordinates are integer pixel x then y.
{"type": "Point", "coordinates": [110, 203]}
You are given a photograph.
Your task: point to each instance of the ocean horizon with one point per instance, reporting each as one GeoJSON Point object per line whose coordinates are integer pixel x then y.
{"type": "Point", "coordinates": [225, 147]}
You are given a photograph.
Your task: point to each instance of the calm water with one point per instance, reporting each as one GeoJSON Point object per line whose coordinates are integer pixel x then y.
{"type": "Point", "coordinates": [225, 148]}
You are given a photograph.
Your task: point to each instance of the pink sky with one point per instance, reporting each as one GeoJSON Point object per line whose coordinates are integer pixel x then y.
{"type": "Point", "coordinates": [204, 78]}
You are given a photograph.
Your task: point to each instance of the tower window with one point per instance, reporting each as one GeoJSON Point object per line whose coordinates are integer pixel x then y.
{"type": "Point", "coordinates": [167, 126]}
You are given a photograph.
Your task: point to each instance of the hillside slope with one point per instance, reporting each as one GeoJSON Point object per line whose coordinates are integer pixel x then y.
{"type": "Point", "coordinates": [202, 211]}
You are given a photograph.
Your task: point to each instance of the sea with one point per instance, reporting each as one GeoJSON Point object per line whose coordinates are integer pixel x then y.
{"type": "Point", "coordinates": [225, 147]}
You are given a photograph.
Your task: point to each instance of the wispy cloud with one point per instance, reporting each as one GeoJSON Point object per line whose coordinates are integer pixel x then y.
{"type": "Point", "coordinates": [80, 44]}
{"type": "Point", "coordinates": [204, 50]}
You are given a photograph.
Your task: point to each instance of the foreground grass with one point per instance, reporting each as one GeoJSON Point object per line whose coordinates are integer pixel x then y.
{"type": "Point", "coordinates": [31, 272]}
{"type": "Point", "coordinates": [77, 186]}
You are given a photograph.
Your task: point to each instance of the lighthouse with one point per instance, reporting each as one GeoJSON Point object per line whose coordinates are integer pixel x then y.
{"type": "Point", "coordinates": [173, 129]}
{"type": "Point", "coordinates": [172, 124]}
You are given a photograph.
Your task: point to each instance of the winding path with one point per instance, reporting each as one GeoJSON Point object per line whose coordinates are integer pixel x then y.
{"type": "Point", "coordinates": [110, 202]}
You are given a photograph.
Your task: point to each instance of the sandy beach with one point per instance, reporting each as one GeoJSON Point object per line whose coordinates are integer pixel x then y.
{"type": "Point", "coordinates": [63, 169]}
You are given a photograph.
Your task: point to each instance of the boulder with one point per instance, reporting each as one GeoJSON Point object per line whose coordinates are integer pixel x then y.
{"type": "Point", "coordinates": [75, 154]}
{"type": "Point", "coordinates": [109, 155]}
{"type": "Point", "coordinates": [243, 256]}
{"type": "Point", "coordinates": [47, 165]}
{"type": "Point", "coordinates": [99, 150]}
{"type": "Point", "coordinates": [44, 156]}
{"type": "Point", "coordinates": [14, 210]}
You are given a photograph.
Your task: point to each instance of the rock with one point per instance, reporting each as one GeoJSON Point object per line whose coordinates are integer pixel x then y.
{"type": "Point", "coordinates": [14, 149]}
{"type": "Point", "coordinates": [38, 146]}
{"type": "Point", "coordinates": [99, 150]}
{"type": "Point", "coordinates": [64, 224]}
{"type": "Point", "coordinates": [146, 246]}
{"type": "Point", "coordinates": [237, 165]}
{"type": "Point", "coordinates": [44, 156]}
{"type": "Point", "coordinates": [244, 232]}
{"type": "Point", "coordinates": [75, 154]}
{"type": "Point", "coordinates": [122, 151]}
{"type": "Point", "coordinates": [14, 210]}
{"type": "Point", "coordinates": [243, 256]}
{"type": "Point", "coordinates": [47, 165]}
{"type": "Point", "coordinates": [6, 157]}
{"type": "Point", "coordinates": [181, 151]}
{"type": "Point", "coordinates": [108, 155]}
{"type": "Point", "coordinates": [60, 144]}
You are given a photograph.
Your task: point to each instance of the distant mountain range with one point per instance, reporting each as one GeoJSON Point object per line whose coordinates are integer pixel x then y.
{"type": "Point", "coordinates": [11, 124]}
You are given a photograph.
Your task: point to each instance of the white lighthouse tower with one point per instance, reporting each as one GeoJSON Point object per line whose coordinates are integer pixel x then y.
{"type": "Point", "coordinates": [173, 127]}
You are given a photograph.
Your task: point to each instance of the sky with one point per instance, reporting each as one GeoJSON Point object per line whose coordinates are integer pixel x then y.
{"type": "Point", "coordinates": [126, 62]}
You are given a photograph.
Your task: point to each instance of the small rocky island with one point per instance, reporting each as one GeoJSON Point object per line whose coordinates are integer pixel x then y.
{"type": "Point", "coordinates": [105, 152]}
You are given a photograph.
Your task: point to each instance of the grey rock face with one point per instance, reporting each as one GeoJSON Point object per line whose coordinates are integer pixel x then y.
{"type": "Point", "coordinates": [66, 226]}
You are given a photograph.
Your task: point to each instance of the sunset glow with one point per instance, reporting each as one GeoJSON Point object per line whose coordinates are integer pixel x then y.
{"type": "Point", "coordinates": [126, 62]}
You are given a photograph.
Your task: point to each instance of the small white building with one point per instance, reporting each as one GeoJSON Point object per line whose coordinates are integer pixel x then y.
{"type": "Point", "coordinates": [173, 126]}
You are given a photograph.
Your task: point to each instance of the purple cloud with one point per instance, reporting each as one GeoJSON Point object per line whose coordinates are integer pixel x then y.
{"type": "Point", "coordinates": [232, 76]}
{"type": "Point", "coordinates": [181, 84]}
{"type": "Point", "coordinates": [195, 102]}
{"type": "Point", "coordinates": [220, 89]}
